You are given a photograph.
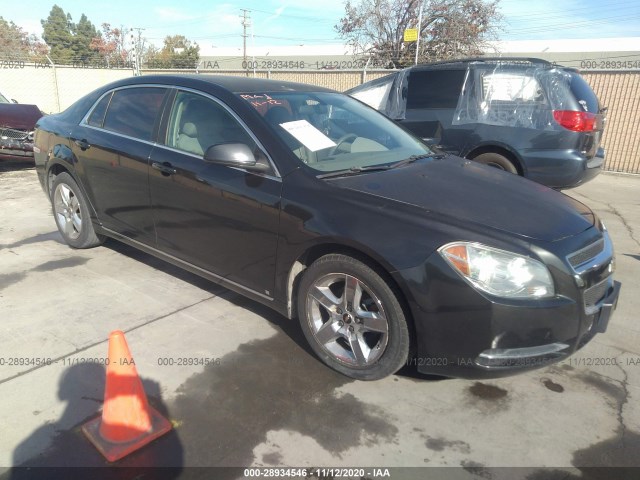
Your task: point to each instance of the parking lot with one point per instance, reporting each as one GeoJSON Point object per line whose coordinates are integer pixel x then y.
{"type": "Point", "coordinates": [264, 399]}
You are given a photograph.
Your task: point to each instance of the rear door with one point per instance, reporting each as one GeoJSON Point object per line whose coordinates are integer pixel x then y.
{"type": "Point", "coordinates": [221, 219]}
{"type": "Point", "coordinates": [113, 144]}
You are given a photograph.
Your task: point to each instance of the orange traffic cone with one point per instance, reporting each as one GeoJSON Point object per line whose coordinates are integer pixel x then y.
{"type": "Point", "coordinates": [128, 422]}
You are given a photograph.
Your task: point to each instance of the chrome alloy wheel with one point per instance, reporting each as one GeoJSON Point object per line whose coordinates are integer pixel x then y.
{"type": "Point", "coordinates": [67, 211]}
{"type": "Point", "coordinates": [347, 319]}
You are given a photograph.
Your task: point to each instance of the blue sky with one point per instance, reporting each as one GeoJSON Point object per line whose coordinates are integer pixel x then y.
{"type": "Point", "coordinates": [284, 22]}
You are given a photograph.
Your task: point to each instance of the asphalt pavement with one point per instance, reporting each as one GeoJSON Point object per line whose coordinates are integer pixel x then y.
{"type": "Point", "coordinates": [242, 389]}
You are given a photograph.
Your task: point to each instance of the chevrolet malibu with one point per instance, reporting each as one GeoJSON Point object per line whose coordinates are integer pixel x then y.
{"type": "Point", "coordinates": [318, 206]}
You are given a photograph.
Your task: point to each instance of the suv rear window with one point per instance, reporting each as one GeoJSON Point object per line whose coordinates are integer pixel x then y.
{"type": "Point", "coordinates": [435, 88]}
{"type": "Point", "coordinates": [583, 93]}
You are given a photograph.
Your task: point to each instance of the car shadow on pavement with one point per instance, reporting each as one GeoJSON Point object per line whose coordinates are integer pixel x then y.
{"type": "Point", "coordinates": [69, 454]}
{"type": "Point", "coordinates": [289, 327]}
{"type": "Point", "coordinates": [247, 409]}
{"type": "Point", "coordinates": [163, 266]}
{"type": "Point", "coordinates": [11, 166]}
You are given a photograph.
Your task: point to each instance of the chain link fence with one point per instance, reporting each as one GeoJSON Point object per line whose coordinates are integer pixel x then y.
{"type": "Point", "coordinates": [620, 93]}
{"type": "Point", "coordinates": [54, 87]}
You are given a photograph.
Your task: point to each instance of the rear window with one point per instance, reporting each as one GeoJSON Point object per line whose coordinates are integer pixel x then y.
{"type": "Point", "coordinates": [584, 94]}
{"type": "Point", "coordinates": [97, 115]}
{"type": "Point", "coordinates": [435, 88]}
{"type": "Point", "coordinates": [375, 93]}
{"type": "Point", "coordinates": [133, 111]}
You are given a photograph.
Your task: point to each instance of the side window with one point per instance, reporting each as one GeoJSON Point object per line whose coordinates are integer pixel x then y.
{"type": "Point", "coordinates": [134, 111]}
{"type": "Point", "coordinates": [376, 93]}
{"type": "Point", "coordinates": [510, 87]}
{"type": "Point", "coordinates": [435, 88]}
{"type": "Point", "coordinates": [197, 123]}
{"type": "Point", "coordinates": [97, 115]}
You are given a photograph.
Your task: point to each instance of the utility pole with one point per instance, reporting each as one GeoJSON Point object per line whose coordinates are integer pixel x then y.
{"type": "Point", "coordinates": [419, 28]}
{"type": "Point", "coordinates": [137, 51]}
{"type": "Point", "coordinates": [246, 22]}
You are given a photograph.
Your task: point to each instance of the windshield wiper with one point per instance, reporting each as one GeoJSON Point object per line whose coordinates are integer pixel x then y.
{"type": "Point", "coordinates": [357, 170]}
{"type": "Point", "coordinates": [413, 158]}
{"type": "Point", "coordinates": [354, 171]}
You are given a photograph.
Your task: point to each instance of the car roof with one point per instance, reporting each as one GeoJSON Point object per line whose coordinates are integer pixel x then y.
{"type": "Point", "coordinates": [464, 62]}
{"type": "Point", "coordinates": [234, 84]}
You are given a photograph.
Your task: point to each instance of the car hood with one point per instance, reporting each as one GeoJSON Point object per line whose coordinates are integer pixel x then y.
{"type": "Point", "coordinates": [472, 192]}
{"type": "Point", "coordinates": [19, 116]}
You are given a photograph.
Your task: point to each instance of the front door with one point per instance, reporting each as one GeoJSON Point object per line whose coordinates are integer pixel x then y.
{"type": "Point", "coordinates": [222, 219]}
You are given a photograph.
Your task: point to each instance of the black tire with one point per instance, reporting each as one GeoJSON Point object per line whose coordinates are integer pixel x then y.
{"type": "Point", "coordinates": [71, 213]}
{"type": "Point", "coordinates": [377, 353]}
{"type": "Point", "coordinates": [497, 161]}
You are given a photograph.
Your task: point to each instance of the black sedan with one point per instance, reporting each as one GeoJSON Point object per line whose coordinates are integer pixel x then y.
{"type": "Point", "coordinates": [316, 205]}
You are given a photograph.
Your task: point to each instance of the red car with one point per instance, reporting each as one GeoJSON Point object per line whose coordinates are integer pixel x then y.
{"type": "Point", "coordinates": [17, 122]}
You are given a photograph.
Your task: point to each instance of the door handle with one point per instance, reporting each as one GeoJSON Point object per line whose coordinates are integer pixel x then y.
{"type": "Point", "coordinates": [165, 168]}
{"type": "Point", "coordinates": [83, 144]}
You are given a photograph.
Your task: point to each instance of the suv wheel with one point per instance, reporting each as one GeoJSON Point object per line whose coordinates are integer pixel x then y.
{"type": "Point", "coordinates": [352, 318]}
{"type": "Point", "coordinates": [497, 161]}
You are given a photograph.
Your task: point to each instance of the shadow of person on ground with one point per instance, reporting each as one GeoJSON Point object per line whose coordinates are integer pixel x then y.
{"type": "Point", "coordinates": [66, 451]}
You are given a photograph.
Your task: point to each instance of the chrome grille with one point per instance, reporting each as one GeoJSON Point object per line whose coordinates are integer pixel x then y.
{"type": "Point", "coordinates": [595, 294]}
{"type": "Point", "coordinates": [13, 134]}
{"type": "Point", "coordinates": [587, 253]}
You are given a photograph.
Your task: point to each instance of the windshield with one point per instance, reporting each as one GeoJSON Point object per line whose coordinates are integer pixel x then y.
{"type": "Point", "coordinates": [3, 99]}
{"type": "Point", "coordinates": [332, 132]}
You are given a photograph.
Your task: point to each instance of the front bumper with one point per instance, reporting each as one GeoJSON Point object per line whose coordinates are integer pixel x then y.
{"type": "Point", "coordinates": [463, 333]}
{"type": "Point", "coordinates": [541, 355]}
{"type": "Point", "coordinates": [15, 149]}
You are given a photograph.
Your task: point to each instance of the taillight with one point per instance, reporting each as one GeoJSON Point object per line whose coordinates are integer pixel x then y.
{"type": "Point", "coordinates": [575, 121]}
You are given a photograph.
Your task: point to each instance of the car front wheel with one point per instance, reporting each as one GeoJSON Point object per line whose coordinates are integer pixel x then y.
{"type": "Point", "coordinates": [72, 214]}
{"type": "Point", "coordinates": [352, 318]}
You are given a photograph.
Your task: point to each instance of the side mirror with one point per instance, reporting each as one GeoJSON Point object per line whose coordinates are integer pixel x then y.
{"type": "Point", "coordinates": [235, 155]}
{"type": "Point", "coordinates": [14, 100]}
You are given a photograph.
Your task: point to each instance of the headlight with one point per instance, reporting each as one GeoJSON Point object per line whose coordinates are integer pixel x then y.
{"type": "Point", "coordinates": [498, 272]}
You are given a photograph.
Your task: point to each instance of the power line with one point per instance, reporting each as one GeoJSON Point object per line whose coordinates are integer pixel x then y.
{"type": "Point", "coordinates": [299, 17]}
{"type": "Point", "coordinates": [575, 25]}
{"type": "Point", "coordinates": [566, 13]}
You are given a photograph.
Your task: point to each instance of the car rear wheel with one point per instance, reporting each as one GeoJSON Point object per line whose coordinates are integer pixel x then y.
{"type": "Point", "coordinates": [497, 161]}
{"type": "Point", "coordinates": [71, 213]}
{"type": "Point", "coordinates": [352, 318]}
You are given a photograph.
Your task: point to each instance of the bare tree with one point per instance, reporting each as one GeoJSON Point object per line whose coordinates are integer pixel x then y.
{"type": "Point", "coordinates": [449, 28]}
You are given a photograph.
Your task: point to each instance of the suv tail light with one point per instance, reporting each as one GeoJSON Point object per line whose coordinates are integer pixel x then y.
{"type": "Point", "coordinates": [575, 121]}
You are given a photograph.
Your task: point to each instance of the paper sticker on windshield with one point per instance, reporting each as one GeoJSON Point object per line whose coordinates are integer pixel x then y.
{"type": "Point", "coordinates": [308, 135]}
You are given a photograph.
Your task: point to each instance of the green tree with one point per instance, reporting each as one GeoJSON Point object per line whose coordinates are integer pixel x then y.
{"type": "Point", "coordinates": [84, 33]}
{"type": "Point", "coordinates": [16, 44]}
{"type": "Point", "coordinates": [69, 42]}
{"type": "Point", "coordinates": [177, 52]}
{"type": "Point", "coordinates": [448, 28]}
{"type": "Point", "coordinates": [58, 35]}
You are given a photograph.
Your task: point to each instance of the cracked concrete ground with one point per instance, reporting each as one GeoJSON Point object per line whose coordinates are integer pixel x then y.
{"type": "Point", "coordinates": [264, 399]}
